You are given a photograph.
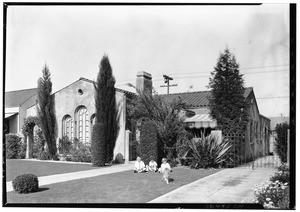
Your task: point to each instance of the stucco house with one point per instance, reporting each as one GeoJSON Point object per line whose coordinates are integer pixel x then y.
{"type": "Point", "coordinates": [16, 105]}
{"type": "Point", "coordinates": [199, 120]}
{"type": "Point", "coordinates": [75, 114]}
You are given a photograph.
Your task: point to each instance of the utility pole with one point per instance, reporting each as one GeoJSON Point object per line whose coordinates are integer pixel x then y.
{"type": "Point", "coordinates": [167, 81]}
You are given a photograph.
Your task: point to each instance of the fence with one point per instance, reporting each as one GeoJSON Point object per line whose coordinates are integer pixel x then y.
{"type": "Point", "coordinates": [252, 153]}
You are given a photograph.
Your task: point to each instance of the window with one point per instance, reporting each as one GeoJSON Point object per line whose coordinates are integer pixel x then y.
{"type": "Point", "coordinates": [68, 129]}
{"type": "Point", "coordinates": [83, 125]}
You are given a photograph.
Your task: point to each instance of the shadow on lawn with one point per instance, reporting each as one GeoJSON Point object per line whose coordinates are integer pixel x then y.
{"type": "Point", "coordinates": [42, 189]}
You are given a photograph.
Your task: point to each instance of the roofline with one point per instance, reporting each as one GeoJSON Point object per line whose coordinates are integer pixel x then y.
{"type": "Point", "coordinates": [21, 90]}
{"type": "Point", "coordinates": [264, 117]}
{"type": "Point", "coordinates": [91, 81]}
{"type": "Point", "coordinates": [198, 92]}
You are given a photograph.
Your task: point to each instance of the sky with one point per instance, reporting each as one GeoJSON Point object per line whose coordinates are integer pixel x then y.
{"type": "Point", "coordinates": [183, 42]}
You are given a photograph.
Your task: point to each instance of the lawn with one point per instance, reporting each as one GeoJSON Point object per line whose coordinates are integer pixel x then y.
{"type": "Point", "coordinates": [122, 187]}
{"type": "Point", "coordinates": [15, 167]}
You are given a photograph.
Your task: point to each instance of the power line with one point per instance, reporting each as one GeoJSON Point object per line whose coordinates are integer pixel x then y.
{"type": "Point", "coordinates": [200, 72]}
{"type": "Point", "coordinates": [273, 97]}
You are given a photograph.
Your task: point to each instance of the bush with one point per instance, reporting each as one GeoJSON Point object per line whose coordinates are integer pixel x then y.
{"type": "Point", "coordinates": [82, 153]}
{"type": "Point", "coordinates": [282, 174]}
{"type": "Point", "coordinates": [44, 155]}
{"type": "Point", "coordinates": [281, 141]}
{"type": "Point", "coordinates": [272, 195]}
{"type": "Point", "coordinates": [38, 144]}
{"type": "Point", "coordinates": [26, 183]}
{"type": "Point", "coordinates": [148, 143]}
{"type": "Point", "coordinates": [22, 153]}
{"type": "Point", "coordinates": [65, 145]}
{"type": "Point", "coordinates": [207, 152]}
{"type": "Point", "coordinates": [13, 146]}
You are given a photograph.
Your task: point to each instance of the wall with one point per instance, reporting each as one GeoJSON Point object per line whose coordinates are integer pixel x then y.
{"type": "Point", "coordinates": [13, 124]}
{"type": "Point", "coordinates": [68, 100]}
{"type": "Point", "coordinates": [23, 110]}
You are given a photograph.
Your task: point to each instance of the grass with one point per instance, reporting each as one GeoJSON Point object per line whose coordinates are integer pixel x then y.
{"type": "Point", "coordinates": [15, 167]}
{"type": "Point", "coordinates": [122, 187]}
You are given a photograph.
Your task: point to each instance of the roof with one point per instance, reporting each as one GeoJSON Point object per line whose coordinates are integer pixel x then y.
{"type": "Point", "coordinates": [17, 98]}
{"type": "Point", "coordinates": [196, 99]}
{"type": "Point", "coordinates": [278, 120]}
{"type": "Point", "coordinates": [91, 81]}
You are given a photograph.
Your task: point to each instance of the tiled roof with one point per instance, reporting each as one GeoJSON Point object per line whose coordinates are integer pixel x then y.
{"type": "Point", "coordinates": [17, 98]}
{"type": "Point", "coordinates": [196, 99]}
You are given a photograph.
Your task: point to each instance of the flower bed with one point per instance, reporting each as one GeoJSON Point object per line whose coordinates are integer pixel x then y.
{"type": "Point", "coordinates": [274, 194]}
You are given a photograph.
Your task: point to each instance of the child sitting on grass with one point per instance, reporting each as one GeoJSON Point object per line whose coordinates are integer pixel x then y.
{"type": "Point", "coordinates": [152, 165]}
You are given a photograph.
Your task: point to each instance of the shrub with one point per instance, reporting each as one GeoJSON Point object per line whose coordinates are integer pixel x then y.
{"type": "Point", "coordinates": [282, 174]}
{"type": "Point", "coordinates": [273, 195]}
{"type": "Point", "coordinates": [207, 152]}
{"type": "Point", "coordinates": [13, 146]}
{"type": "Point", "coordinates": [148, 143]}
{"type": "Point", "coordinates": [22, 153]}
{"type": "Point", "coordinates": [82, 153]}
{"type": "Point", "coordinates": [281, 141]}
{"type": "Point", "coordinates": [26, 183]}
{"type": "Point", "coordinates": [38, 143]}
{"type": "Point", "coordinates": [65, 145]}
{"type": "Point", "coordinates": [44, 155]}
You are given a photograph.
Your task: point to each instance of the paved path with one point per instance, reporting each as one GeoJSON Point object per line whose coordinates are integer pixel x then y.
{"type": "Point", "coordinates": [57, 178]}
{"type": "Point", "coordinates": [227, 186]}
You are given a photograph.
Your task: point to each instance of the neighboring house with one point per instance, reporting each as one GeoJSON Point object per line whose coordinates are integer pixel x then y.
{"type": "Point", "coordinates": [199, 120]}
{"type": "Point", "coordinates": [16, 104]}
{"type": "Point", "coordinates": [274, 122]}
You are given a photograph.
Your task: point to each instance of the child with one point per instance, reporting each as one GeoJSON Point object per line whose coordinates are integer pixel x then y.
{"type": "Point", "coordinates": [165, 169]}
{"type": "Point", "coordinates": [139, 166]}
{"type": "Point", "coordinates": [152, 165]}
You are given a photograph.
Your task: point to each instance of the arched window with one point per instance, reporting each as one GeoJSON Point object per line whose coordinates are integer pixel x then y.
{"type": "Point", "coordinates": [83, 124]}
{"type": "Point", "coordinates": [68, 129]}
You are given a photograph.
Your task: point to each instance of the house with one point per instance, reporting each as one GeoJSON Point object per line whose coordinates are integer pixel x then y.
{"type": "Point", "coordinates": [75, 114]}
{"type": "Point", "coordinates": [199, 120]}
{"type": "Point", "coordinates": [16, 105]}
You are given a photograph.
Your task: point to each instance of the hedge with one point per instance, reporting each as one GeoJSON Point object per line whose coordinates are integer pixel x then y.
{"type": "Point", "coordinates": [13, 146]}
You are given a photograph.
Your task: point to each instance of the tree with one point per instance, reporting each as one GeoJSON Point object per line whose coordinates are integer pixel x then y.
{"type": "Point", "coordinates": [46, 112]}
{"type": "Point", "coordinates": [281, 141]}
{"type": "Point", "coordinates": [106, 129]}
{"type": "Point", "coordinates": [227, 103]}
{"type": "Point", "coordinates": [164, 116]}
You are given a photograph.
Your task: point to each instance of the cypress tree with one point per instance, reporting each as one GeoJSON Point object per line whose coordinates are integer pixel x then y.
{"type": "Point", "coordinates": [46, 111]}
{"type": "Point", "coordinates": [106, 129]}
{"type": "Point", "coordinates": [227, 103]}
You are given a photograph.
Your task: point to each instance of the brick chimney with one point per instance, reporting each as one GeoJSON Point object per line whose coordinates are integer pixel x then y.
{"type": "Point", "coordinates": [144, 81]}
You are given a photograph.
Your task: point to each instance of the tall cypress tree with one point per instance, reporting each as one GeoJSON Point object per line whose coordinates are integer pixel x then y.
{"type": "Point", "coordinates": [46, 111]}
{"type": "Point", "coordinates": [106, 129]}
{"type": "Point", "coordinates": [228, 104]}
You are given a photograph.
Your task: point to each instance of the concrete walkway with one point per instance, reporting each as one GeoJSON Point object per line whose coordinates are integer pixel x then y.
{"type": "Point", "coordinates": [57, 178]}
{"type": "Point", "coordinates": [227, 186]}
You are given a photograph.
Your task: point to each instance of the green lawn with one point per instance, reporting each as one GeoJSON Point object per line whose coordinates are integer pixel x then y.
{"type": "Point", "coordinates": [15, 167]}
{"type": "Point", "coordinates": [122, 187]}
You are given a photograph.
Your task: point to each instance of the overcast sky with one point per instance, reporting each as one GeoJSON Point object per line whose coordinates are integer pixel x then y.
{"type": "Point", "coordinates": [181, 41]}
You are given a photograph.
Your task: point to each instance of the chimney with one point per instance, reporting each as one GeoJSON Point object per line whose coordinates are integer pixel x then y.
{"type": "Point", "coordinates": [144, 81]}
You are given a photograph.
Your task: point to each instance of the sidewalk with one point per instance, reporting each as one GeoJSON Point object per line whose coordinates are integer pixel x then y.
{"type": "Point", "coordinates": [227, 186]}
{"type": "Point", "coordinates": [57, 178]}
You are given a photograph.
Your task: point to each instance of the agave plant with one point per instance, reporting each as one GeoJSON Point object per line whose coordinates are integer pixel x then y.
{"type": "Point", "coordinates": [207, 151]}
